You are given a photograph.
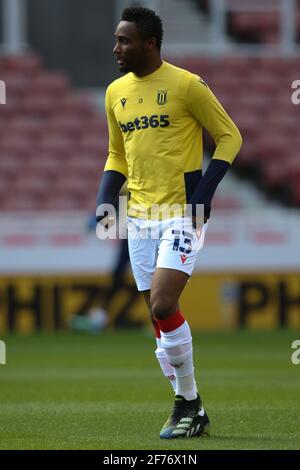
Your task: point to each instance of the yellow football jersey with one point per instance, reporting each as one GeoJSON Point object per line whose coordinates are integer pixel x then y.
{"type": "Point", "coordinates": [155, 134]}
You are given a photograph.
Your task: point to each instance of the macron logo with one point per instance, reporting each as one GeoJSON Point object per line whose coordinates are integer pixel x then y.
{"type": "Point", "coordinates": [183, 258]}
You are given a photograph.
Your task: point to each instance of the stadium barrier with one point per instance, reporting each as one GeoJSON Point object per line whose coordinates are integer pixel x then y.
{"type": "Point", "coordinates": [210, 302]}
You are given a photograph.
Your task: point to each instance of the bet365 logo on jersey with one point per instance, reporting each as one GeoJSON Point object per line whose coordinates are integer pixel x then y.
{"type": "Point", "coordinates": [145, 122]}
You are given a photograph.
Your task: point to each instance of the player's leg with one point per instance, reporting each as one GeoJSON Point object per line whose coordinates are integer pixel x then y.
{"type": "Point", "coordinates": [160, 353]}
{"type": "Point", "coordinates": [188, 417]}
{"type": "Point", "coordinates": [177, 254]}
{"type": "Point", "coordinates": [176, 339]}
{"type": "Point", "coordinates": [143, 256]}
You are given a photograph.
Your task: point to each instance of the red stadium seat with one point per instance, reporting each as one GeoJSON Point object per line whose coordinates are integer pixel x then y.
{"type": "Point", "coordinates": [28, 64]}
{"type": "Point", "coordinates": [249, 153]}
{"type": "Point", "coordinates": [45, 161]}
{"type": "Point", "coordinates": [96, 124]}
{"type": "Point", "coordinates": [273, 172]}
{"type": "Point", "coordinates": [244, 22]}
{"type": "Point", "coordinates": [16, 145]}
{"type": "Point", "coordinates": [9, 165]}
{"type": "Point", "coordinates": [282, 123]}
{"type": "Point", "coordinates": [19, 201]}
{"type": "Point", "coordinates": [4, 183]}
{"type": "Point", "coordinates": [264, 83]}
{"type": "Point", "coordinates": [31, 184]}
{"type": "Point", "coordinates": [80, 105]}
{"type": "Point", "coordinates": [16, 85]}
{"type": "Point", "coordinates": [94, 143]}
{"type": "Point", "coordinates": [72, 126]}
{"type": "Point", "coordinates": [247, 123]}
{"type": "Point", "coordinates": [54, 136]}
{"type": "Point", "coordinates": [10, 110]}
{"type": "Point", "coordinates": [272, 147]}
{"type": "Point", "coordinates": [47, 170]}
{"type": "Point", "coordinates": [72, 182]}
{"type": "Point", "coordinates": [65, 200]}
{"type": "Point", "coordinates": [39, 106]}
{"type": "Point", "coordinates": [81, 165]}
{"type": "Point", "coordinates": [51, 140]}
{"type": "Point", "coordinates": [256, 24]}
{"type": "Point", "coordinates": [227, 203]}
{"type": "Point", "coordinates": [50, 84]}
{"type": "Point", "coordinates": [57, 146]}
{"type": "Point", "coordinates": [225, 84]}
{"type": "Point", "coordinates": [24, 128]}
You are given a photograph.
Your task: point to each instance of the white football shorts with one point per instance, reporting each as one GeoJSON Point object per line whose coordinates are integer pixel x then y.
{"type": "Point", "coordinates": [171, 243]}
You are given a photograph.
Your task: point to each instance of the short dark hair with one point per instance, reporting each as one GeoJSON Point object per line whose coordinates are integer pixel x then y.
{"type": "Point", "coordinates": [148, 23]}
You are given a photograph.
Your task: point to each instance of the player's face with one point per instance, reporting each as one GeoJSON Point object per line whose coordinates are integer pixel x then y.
{"type": "Point", "coordinates": [130, 49]}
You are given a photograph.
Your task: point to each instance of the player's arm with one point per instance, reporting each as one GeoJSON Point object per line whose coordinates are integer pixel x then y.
{"type": "Point", "coordinates": [115, 171]}
{"type": "Point", "coordinates": [205, 107]}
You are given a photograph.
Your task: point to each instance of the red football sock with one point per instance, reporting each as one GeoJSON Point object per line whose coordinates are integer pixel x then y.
{"type": "Point", "coordinates": [172, 322]}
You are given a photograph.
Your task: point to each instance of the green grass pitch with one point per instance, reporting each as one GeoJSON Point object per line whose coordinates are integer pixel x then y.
{"type": "Point", "coordinates": [72, 391]}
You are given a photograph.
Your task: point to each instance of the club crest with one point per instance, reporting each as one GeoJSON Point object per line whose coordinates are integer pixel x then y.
{"type": "Point", "coordinates": [162, 97]}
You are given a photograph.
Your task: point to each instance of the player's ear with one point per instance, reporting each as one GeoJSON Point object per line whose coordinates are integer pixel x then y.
{"type": "Point", "coordinates": [151, 44]}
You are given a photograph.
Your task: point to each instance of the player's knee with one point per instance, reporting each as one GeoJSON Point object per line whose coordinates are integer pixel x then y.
{"type": "Point", "coordinates": [162, 308]}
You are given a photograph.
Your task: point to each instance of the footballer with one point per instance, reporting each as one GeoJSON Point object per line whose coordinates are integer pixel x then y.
{"type": "Point", "coordinates": [155, 113]}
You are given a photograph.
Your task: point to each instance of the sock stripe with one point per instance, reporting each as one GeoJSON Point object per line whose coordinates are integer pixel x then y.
{"type": "Point", "coordinates": [172, 322]}
{"type": "Point", "coordinates": [156, 328]}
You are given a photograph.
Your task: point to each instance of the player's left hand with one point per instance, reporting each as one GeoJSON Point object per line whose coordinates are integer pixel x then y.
{"type": "Point", "coordinates": [199, 223]}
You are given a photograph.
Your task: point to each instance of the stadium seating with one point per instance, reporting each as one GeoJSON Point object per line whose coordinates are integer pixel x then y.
{"type": "Point", "coordinates": [254, 26]}
{"type": "Point", "coordinates": [53, 143]}
{"type": "Point", "coordinates": [257, 94]}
